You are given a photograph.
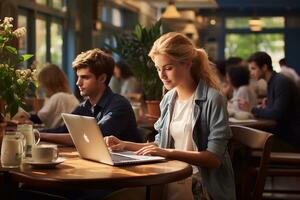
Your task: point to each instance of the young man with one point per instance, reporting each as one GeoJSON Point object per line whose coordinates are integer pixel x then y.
{"type": "Point", "coordinates": [282, 100]}
{"type": "Point", "coordinates": [113, 112]}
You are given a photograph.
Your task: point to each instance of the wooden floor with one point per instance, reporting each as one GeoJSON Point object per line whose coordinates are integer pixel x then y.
{"type": "Point", "coordinates": [289, 185]}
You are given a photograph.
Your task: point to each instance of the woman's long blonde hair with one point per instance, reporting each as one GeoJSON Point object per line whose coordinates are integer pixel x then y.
{"type": "Point", "coordinates": [178, 47]}
{"type": "Point", "coordinates": [53, 79]}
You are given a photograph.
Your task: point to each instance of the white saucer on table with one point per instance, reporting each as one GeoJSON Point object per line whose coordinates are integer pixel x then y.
{"type": "Point", "coordinates": [45, 164]}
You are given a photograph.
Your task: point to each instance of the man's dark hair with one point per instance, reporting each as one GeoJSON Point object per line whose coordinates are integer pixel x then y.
{"type": "Point", "coordinates": [124, 68]}
{"type": "Point", "coordinates": [239, 75]}
{"type": "Point", "coordinates": [284, 62]}
{"type": "Point", "coordinates": [261, 58]}
{"type": "Point", "coordinates": [97, 61]}
{"type": "Point", "coordinates": [233, 61]}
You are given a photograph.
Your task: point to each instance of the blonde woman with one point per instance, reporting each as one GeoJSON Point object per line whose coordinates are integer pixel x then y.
{"type": "Point", "coordinates": [59, 97]}
{"type": "Point", "coordinates": [193, 126]}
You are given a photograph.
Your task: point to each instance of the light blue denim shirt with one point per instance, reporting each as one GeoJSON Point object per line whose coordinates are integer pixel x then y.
{"type": "Point", "coordinates": [211, 132]}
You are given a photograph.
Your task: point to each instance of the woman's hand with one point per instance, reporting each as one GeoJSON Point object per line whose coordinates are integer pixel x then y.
{"type": "Point", "coordinates": [114, 143]}
{"type": "Point", "coordinates": [153, 150]}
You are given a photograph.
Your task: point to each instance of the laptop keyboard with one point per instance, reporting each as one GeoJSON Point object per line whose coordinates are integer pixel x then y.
{"type": "Point", "coordinates": [118, 158]}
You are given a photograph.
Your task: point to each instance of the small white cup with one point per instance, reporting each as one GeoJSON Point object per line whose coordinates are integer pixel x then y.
{"type": "Point", "coordinates": [44, 153]}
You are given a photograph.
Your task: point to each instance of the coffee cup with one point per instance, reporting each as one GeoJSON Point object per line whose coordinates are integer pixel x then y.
{"type": "Point", "coordinates": [31, 135]}
{"type": "Point", "coordinates": [44, 153]}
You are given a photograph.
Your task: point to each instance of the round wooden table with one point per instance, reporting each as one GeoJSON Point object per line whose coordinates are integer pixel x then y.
{"type": "Point", "coordinates": [75, 172]}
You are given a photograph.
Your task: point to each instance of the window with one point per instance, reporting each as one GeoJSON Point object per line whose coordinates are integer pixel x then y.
{"type": "Point", "coordinates": [243, 22]}
{"type": "Point", "coordinates": [116, 17]}
{"type": "Point", "coordinates": [240, 41]}
{"type": "Point", "coordinates": [56, 45]}
{"type": "Point", "coordinates": [104, 14]}
{"type": "Point", "coordinates": [40, 41]}
{"type": "Point", "coordinates": [243, 45]}
{"type": "Point", "coordinates": [22, 22]}
{"type": "Point", "coordinates": [44, 30]}
{"type": "Point", "coordinates": [44, 2]}
{"type": "Point", "coordinates": [58, 4]}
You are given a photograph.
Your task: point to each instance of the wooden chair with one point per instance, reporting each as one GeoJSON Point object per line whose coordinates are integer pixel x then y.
{"type": "Point", "coordinates": [145, 134]}
{"type": "Point", "coordinates": [282, 165]}
{"type": "Point", "coordinates": [250, 173]}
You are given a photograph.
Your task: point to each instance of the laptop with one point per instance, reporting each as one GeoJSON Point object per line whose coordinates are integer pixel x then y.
{"type": "Point", "coordinates": [89, 142]}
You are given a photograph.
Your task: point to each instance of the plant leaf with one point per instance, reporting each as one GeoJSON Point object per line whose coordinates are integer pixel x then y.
{"type": "Point", "coordinates": [27, 56]}
{"type": "Point", "coordinates": [11, 49]}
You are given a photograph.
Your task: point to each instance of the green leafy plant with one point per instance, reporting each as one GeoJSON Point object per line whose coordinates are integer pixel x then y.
{"type": "Point", "coordinates": [134, 47]}
{"type": "Point", "coordinates": [14, 82]}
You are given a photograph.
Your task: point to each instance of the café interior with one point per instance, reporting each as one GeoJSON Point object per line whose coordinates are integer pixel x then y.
{"type": "Point", "coordinates": [266, 165]}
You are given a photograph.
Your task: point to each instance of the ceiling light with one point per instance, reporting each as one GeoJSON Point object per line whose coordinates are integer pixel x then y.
{"type": "Point", "coordinates": [171, 11]}
{"type": "Point", "coordinates": [255, 24]}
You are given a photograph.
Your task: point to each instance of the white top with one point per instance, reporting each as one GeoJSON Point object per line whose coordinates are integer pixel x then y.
{"type": "Point", "coordinates": [244, 92]}
{"type": "Point", "coordinates": [130, 85]}
{"type": "Point", "coordinates": [181, 124]}
{"type": "Point", "coordinates": [181, 128]}
{"type": "Point", "coordinates": [181, 131]}
{"type": "Point", "coordinates": [60, 102]}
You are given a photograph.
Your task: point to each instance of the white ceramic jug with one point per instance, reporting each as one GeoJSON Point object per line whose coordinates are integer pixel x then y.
{"type": "Point", "coordinates": [12, 149]}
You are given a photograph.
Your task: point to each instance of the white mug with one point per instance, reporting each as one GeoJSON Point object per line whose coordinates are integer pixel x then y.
{"type": "Point", "coordinates": [12, 149]}
{"type": "Point", "coordinates": [44, 153]}
{"type": "Point", "coordinates": [31, 135]}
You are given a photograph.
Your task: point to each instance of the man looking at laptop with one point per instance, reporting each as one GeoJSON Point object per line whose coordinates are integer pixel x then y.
{"type": "Point", "coordinates": [112, 112]}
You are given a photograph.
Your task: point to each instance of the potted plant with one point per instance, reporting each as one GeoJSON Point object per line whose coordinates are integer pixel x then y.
{"type": "Point", "coordinates": [133, 47]}
{"type": "Point", "coordinates": [14, 82]}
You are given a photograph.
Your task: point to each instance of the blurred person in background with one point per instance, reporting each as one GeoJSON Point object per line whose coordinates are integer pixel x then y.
{"type": "Point", "coordinates": [130, 87]}
{"type": "Point", "coordinates": [226, 89]}
{"type": "Point", "coordinates": [283, 99]}
{"type": "Point", "coordinates": [288, 71]}
{"type": "Point", "coordinates": [239, 78]}
{"type": "Point", "coordinates": [59, 98]}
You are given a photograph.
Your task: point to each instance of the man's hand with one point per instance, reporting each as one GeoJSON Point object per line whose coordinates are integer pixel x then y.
{"type": "Point", "coordinates": [114, 143]}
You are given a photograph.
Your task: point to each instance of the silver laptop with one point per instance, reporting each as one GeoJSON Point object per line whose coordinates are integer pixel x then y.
{"type": "Point", "coordinates": [90, 144]}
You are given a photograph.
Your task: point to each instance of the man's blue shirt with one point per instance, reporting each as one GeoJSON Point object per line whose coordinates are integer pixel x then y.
{"type": "Point", "coordinates": [113, 114]}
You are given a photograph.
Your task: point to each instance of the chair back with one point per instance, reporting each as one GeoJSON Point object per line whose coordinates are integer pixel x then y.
{"type": "Point", "coordinates": [250, 174]}
{"type": "Point", "coordinates": [144, 134]}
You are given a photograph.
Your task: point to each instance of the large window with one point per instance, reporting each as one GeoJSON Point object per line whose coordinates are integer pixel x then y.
{"type": "Point", "coordinates": [242, 42]}
{"type": "Point", "coordinates": [44, 30]}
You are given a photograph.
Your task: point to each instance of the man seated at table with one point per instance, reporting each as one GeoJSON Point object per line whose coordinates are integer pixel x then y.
{"type": "Point", "coordinates": [282, 100]}
{"type": "Point", "coordinates": [113, 112]}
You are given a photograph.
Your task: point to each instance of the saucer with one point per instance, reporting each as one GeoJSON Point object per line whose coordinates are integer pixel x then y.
{"type": "Point", "coordinates": [45, 164]}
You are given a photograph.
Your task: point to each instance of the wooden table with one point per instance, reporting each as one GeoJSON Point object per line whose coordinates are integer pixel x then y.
{"type": "Point", "coordinates": [79, 173]}
{"type": "Point", "coordinates": [260, 124]}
